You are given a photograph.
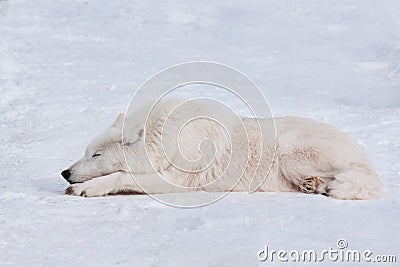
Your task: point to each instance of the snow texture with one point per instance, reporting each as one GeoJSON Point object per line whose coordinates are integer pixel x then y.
{"type": "Point", "coordinates": [67, 68]}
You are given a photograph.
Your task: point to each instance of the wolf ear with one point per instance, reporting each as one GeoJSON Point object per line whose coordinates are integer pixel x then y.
{"type": "Point", "coordinates": [119, 120]}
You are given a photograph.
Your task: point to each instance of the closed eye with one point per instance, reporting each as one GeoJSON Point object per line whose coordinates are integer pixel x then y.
{"type": "Point", "coordinates": [96, 155]}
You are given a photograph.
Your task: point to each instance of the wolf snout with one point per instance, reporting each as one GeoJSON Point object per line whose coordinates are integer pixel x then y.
{"type": "Point", "coordinates": [66, 174]}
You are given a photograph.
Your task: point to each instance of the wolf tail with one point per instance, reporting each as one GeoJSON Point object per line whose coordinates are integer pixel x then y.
{"type": "Point", "coordinates": [356, 183]}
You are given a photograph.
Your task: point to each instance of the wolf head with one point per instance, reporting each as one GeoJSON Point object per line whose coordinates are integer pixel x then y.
{"type": "Point", "coordinates": [105, 155]}
{"type": "Point", "coordinates": [127, 146]}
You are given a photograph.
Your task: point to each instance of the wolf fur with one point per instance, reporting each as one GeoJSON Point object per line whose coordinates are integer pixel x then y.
{"type": "Point", "coordinates": [289, 154]}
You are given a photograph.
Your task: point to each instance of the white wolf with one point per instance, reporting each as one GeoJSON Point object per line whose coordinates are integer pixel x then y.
{"type": "Point", "coordinates": [300, 155]}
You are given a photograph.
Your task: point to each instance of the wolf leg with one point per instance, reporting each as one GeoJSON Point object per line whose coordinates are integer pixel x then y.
{"type": "Point", "coordinates": [313, 185]}
{"type": "Point", "coordinates": [100, 186]}
{"type": "Point", "coordinates": [122, 182]}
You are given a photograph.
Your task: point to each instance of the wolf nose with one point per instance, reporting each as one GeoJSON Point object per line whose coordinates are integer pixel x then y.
{"type": "Point", "coordinates": [66, 174]}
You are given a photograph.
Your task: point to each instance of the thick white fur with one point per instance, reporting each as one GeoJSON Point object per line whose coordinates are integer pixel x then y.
{"type": "Point", "coordinates": [304, 148]}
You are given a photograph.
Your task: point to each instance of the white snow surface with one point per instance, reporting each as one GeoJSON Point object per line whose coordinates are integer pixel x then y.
{"type": "Point", "coordinates": [67, 68]}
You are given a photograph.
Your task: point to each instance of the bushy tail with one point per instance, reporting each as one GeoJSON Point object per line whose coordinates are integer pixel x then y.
{"type": "Point", "coordinates": [356, 183]}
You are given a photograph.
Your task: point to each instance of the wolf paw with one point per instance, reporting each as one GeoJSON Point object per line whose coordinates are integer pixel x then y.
{"type": "Point", "coordinates": [84, 190]}
{"type": "Point", "coordinates": [312, 185]}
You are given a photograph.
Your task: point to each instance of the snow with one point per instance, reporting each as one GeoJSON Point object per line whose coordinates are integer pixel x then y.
{"type": "Point", "coordinates": [67, 68]}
